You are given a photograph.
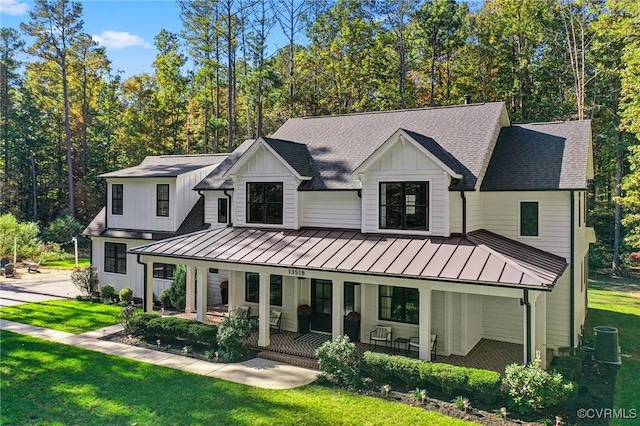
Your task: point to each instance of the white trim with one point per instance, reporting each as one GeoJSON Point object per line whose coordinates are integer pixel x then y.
{"type": "Point", "coordinates": [519, 213]}
{"type": "Point", "coordinates": [382, 179]}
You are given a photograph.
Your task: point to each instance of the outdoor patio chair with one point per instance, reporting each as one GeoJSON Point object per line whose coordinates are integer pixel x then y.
{"type": "Point", "coordinates": [31, 266]}
{"type": "Point", "coordinates": [242, 312]}
{"type": "Point", "coordinates": [4, 261]}
{"type": "Point", "coordinates": [414, 342]}
{"type": "Point", "coordinates": [274, 321]}
{"type": "Point", "coordinates": [380, 334]}
{"type": "Point", "coordinates": [7, 270]}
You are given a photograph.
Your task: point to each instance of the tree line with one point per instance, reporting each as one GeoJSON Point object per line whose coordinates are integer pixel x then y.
{"type": "Point", "coordinates": [67, 116]}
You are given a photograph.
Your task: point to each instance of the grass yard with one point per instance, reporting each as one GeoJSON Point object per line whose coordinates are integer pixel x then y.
{"type": "Point", "coordinates": [83, 262]}
{"type": "Point", "coordinates": [50, 383]}
{"type": "Point", "coordinates": [71, 316]}
{"type": "Point", "coordinates": [617, 303]}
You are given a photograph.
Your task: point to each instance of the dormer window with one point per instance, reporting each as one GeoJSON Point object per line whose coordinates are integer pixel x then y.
{"type": "Point", "coordinates": [162, 200]}
{"type": "Point", "coordinates": [404, 205]}
{"type": "Point", "coordinates": [265, 203]}
{"type": "Point", "coordinates": [117, 199]}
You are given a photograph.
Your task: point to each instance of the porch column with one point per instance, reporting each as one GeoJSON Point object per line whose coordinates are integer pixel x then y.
{"type": "Point", "coordinates": [425, 323]}
{"type": "Point", "coordinates": [337, 308]}
{"type": "Point", "coordinates": [233, 283]}
{"type": "Point", "coordinates": [263, 310]}
{"type": "Point", "coordinates": [148, 296]}
{"type": "Point", "coordinates": [541, 328]}
{"type": "Point", "coordinates": [201, 307]}
{"type": "Point", "coordinates": [191, 290]}
{"type": "Point", "coordinates": [528, 348]}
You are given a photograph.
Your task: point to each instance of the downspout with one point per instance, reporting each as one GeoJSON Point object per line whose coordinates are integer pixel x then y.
{"type": "Point", "coordinates": [527, 305]}
{"type": "Point", "coordinates": [144, 280]}
{"type": "Point", "coordinates": [230, 224]}
{"type": "Point", "coordinates": [572, 290]}
{"type": "Point", "coordinates": [464, 212]}
{"type": "Point", "coordinates": [106, 203]}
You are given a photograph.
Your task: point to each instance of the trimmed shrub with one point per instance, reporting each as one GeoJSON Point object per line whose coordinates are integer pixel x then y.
{"type": "Point", "coordinates": [339, 362]}
{"type": "Point", "coordinates": [126, 295]}
{"type": "Point", "coordinates": [482, 384]}
{"type": "Point", "coordinates": [128, 316]}
{"type": "Point", "coordinates": [107, 291]}
{"type": "Point", "coordinates": [165, 298]}
{"type": "Point", "coordinates": [154, 326]}
{"type": "Point", "coordinates": [178, 289]}
{"type": "Point", "coordinates": [230, 336]}
{"type": "Point", "coordinates": [532, 389]}
{"type": "Point", "coordinates": [573, 364]}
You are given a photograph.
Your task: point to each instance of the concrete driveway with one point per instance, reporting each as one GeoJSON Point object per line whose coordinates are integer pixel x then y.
{"type": "Point", "coordinates": [36, 288]}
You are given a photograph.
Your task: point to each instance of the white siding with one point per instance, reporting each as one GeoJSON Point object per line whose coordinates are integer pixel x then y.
{"type": "Point", "coordinates": [502, 319]}
{"type": "Point", "coordinates": [456, 324]}
{"type": "Point", "coordinates": [438, 319]}
{"type": "Point", "coordinates": [474, 211]}
{"type": "Point", "coordinates": [330, 209]}
{"type": "Point", "coordinates": [403, 162]}
{"type": "Point", "coordinates": [211, 207]}
{"type": "Point", "coordinates": [214, 296]}
{"type": "Point", "coordinates": [473, 320]}
{"type": "Point", "coordinates": [501, 214]}
{"type": "Point", "coordinates": [133, 279]}
{"type": "Point", "coordinates": [185, 197]}
{"type": "Point", "coordinates": [265, 167]}
{"type": "Point", "coordinates": [139, 205]}
{"type": "Point", "coordinates": [558, 313]}
{"type": "Point", "coordinates": [370, 316]}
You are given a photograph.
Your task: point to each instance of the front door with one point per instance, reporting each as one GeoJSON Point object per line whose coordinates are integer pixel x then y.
{"type": "Point", "coordinates": [321, 304]}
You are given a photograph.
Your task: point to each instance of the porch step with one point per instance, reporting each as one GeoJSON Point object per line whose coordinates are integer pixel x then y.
{"type": "Point", "coordinates": [290, 359]}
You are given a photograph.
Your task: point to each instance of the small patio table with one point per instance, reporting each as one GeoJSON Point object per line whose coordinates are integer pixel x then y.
{"type": "Point", "coordinates": [401, 341]}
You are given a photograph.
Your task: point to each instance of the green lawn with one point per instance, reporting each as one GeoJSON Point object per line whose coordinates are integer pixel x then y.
{"type": "Point", "coordinates": [50, 383]}
{"type": "Point", "coordinates": [611, 304]}
{"type": "Point", "coordinates": [83, 262]}
{"type": "Point", "coordinates": [63, 315]}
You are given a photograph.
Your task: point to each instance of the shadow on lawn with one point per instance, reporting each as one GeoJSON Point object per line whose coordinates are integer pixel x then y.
{"type": "Point", "coordinates": [77, 387]}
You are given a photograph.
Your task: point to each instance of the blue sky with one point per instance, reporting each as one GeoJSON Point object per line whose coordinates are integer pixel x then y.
{"type": "Point", "coordinates": [125, 28]}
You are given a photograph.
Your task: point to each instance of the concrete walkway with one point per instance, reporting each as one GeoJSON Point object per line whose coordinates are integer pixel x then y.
{"type": "Point", "coordinates": [257, 372]}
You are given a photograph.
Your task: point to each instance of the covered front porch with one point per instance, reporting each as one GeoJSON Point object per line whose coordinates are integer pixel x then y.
{"type": "Point", "coordinates": [465, 290]}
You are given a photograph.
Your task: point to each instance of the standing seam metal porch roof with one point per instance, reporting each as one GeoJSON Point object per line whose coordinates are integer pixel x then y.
{"type": "Point", "coordinates": [481, 257]}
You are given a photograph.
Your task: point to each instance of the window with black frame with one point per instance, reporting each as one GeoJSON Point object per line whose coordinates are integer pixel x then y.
{"type": "Point", "coordinates": [265, 202]}
{"type": "Point", "coordinates": [399, 304]}
{"type": "Point", "coordinates": [115, 258]}
{"type": "Point", "coordinates": [162, 200]}
{"type": "Point", "coordinates": [222, 210]}
{"type": "Point", "coordinates": [252, 288]}
{"type": "Point", "coordinates": [117, 199]}
{"type": "Point", "coordinates": [163, 271]}
{"type": "Point", "coordinates": [529, 219]}
{"type": "Point", "coordinates": [404, 205]}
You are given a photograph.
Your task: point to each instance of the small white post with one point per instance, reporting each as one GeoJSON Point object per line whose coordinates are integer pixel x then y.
{"type": "Point", "coordinates": [15, 250]}
{"type": "Point", "coordinates": [75, 247]}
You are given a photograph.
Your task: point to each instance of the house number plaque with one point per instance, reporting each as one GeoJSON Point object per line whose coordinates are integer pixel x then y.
{"type": "Point", "coordinates": [296, 272]}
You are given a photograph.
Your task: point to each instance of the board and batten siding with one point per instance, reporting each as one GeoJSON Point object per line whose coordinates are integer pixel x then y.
{"type": "Point", "coordinates": [403, 162]}
{"type": "Point", "coordinates": [211, 207]}
{"type": "Point", "coordinates": [502, 319]}
{"type": "Point", "coordinates": [185, 197]}
{"type": "Point", "coordinates": [139, 205]}
{"type": "Point", "coordinates": [330, 209]}
{"type": "Point", "coordinates": [501, 214]}
{"type": "Point", "coordinates": [133, 279]}
{"type": "Point", "coordinates": [263, 166]}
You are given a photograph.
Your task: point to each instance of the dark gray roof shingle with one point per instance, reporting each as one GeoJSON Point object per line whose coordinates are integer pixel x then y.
{"type": "Point", "coordinates": [296, 154]}
{"type": "Point", "coordinates": [216, 179]}
{"type": "Point", "coordinates": [540, 156]}
{"type": "Point", "coordinates": [339, 144]}
{"type": "Point", "coordinates": [167, 166]}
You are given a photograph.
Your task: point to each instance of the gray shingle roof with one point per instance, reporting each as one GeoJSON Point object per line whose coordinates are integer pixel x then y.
{"type": "Point", "coordinates": [339, 144]}
{"type": "Point", "coordinates": [541, 156]}
{"type": "Point", "coordinates": [167, 166]}
{"type": "Point", "coordinates": [296, 154]}
{"type": "Point", "coordinates": [441, 154]}
{"type": "Point", "coordinates": [216, 179]}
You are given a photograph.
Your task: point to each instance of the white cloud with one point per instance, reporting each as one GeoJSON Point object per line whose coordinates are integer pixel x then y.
{"type": "Point", "coordinates": [12, 7]}
{"type": "Point", "coordinates": [118, 40]}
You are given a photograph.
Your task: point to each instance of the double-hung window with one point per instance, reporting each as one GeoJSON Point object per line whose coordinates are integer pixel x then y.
{"type": "Point", "coordinates": [404, 205]}
{"type": "Point", "coordinates": [252, 288]}
{"type": "Point", "coordinates": [162, 200]}
{"type": "Point", "coordinates": [529, 219]}
{"type": "Point", "coordinates": [117, 199]}
{"type": "Point", "coordinates": [265, 202]}
{"type": "Point", "coordinates": [222, 210]}
{"type": "Point", "coordinates": [398, 304]}
{"type": "Point", "coordinates": [115, 258]}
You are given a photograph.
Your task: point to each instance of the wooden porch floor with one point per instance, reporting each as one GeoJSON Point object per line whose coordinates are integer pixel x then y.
{"type": "Point", "coordinates": [487, 354]}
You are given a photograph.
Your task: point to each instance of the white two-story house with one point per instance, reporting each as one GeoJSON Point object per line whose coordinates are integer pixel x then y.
{"type": "Point", "coordinates": [446, 221]}
{"type": "Point", "coordinates": [149, 202]}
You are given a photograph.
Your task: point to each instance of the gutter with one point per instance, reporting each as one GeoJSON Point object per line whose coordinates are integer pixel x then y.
{"type": "Point", "coordinates": [572, 274]}
{"type": "Point", "coordinates": [144, 281]}
{"type": "Point", "coordinates": [464, 212]}
{"type": "Point", "coordinates": [230, 224]}
{"type": "Point", "coordinates": [525, 301]}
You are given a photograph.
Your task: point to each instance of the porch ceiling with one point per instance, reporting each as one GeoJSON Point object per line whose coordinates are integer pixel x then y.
{"type": "Point", "coordinates": [481, 257]}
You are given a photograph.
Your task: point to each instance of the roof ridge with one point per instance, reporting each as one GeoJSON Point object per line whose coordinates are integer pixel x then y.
{"type": "Point", "coordinates": [399, 110]}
